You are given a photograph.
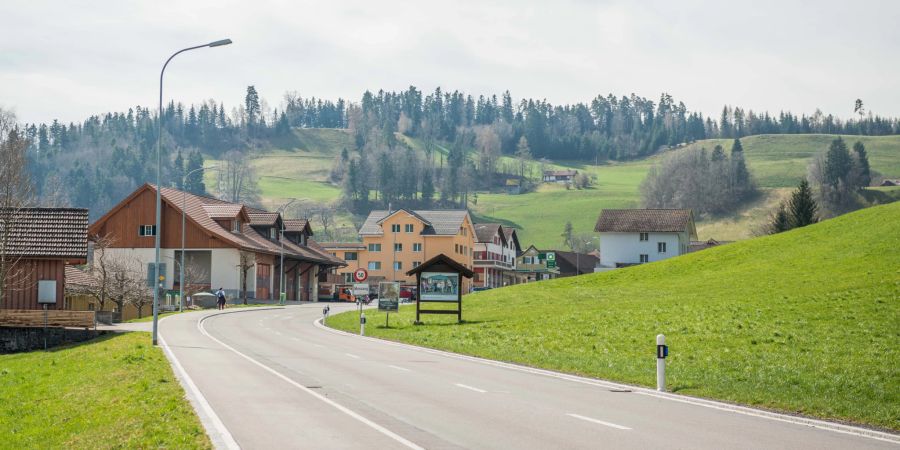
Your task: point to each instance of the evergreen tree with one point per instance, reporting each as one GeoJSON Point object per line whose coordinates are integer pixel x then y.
{"type": "Point", "coordinates": [251, 108]}
{"type": "Point", "coordinates": [195, 184]}
{"type": "Point", "coordinates": [568, 236]}
{"type": "Point", "coordinates": [427, 187]}
{"type": "Point", "coordinates": [863, 176]}
{"type": "Point", "coordinates": [740, 177]}
{"type": "Point", "coordinates": [781, 221]}
{"type": "Point", "coordinates": [178, 171]}
{"type": "Point", "coordinates": [802, 207]}
{"type": "Point", "coordinates": [718, 153]}
{"type": "Point", "coordinates": [838, 163]}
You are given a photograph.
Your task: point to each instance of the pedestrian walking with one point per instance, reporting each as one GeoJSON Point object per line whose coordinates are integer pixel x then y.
{"type": "Point", "coordinates": [220, 299]}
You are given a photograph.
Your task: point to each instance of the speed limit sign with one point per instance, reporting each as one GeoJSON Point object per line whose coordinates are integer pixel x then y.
{"type": "Point", "coordinates": [360, 275]}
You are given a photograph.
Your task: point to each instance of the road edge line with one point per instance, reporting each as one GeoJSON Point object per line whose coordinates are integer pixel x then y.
{"type": "Point", "coordinates": [326, 400]}
{"type": "Point", "coordinates": [713, 404]}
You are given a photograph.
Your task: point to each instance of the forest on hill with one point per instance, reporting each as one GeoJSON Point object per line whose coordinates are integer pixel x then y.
{"type": "Point", "coordinates": [91, 164]}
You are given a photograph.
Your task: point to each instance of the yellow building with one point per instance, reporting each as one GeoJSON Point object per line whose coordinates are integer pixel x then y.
{"type": "Point", "coordinates": [395, 242]}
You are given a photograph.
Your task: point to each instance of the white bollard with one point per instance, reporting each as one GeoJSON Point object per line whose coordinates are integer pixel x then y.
{"type": "Point", "coordinates": [362, 324]}
{"type": "Point", "coordinates": [661, 352]}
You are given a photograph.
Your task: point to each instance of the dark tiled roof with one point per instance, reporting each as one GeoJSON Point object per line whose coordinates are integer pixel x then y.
{"type": "Point", "coordinates": [47, 232]}
{"type": "Point", "coordinates": [645, 221]}
{"type": "Point", "coordinates": [442, 222]}
{"type": "Point", "coordinates": [485, 232]}
{"type": "Point", "coordinates": [295, 225]}
{"type": "Point", "coordinates": [703, 245]}
{"type": "Point", "coordinates": [77, 278]}
{"type": "Point", "coordinates": [226, 211]}
{"type": "Point", "coordinates": [567, 260]}
{"type": "Point", "coordinates": [263, 219]}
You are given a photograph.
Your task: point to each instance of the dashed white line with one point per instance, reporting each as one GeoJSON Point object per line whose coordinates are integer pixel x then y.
{"type": "Point", "coordinates": [597, 421]}
{"type": "Point", "coordinates": [399, 368]}
{"type": "Point", "coordinates": [482, 391]}
{"type": "Point", "coordinates": [352, 355]}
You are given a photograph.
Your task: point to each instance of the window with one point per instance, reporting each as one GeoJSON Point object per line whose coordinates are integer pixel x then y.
{"type": "Point", "coordinates": [272, 233]}
{"type": "Point", "coordinates": [350, 256]}
{"type": "Point", "coordinates": [645, 258]}
{"type": "Point", "coordinates": [661, 247]}
{"type": "Point", "coordinates": [528, 260]}
{"type": "Point", "coordinates": [645, 236]}
{"type": "Point", "coordinates": [395, 228]}
{"type": "Point", "coordinates": [408, 227]}
{"type": "Point", "coordinates": [147, 230]}
{"type": "Point", "coordinates": [456, 248]}
{"type": "Point", "coordinates": [416, 264]}
{"type": "Point", "coordinates": [236, 226]}
{"type": "Point", "coordinates": [374, 247]}
{"type": "Point", "coordinates": [398, 265]}
{"type": "Point", "coordinates": [374, 265]}
{"type": "Point", "coordinates": [417, 247]}
{"type": "Point", "coordinates": [398, 247]}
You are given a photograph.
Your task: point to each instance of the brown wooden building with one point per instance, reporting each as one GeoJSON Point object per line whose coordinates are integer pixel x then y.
{"type": "Point", "coordinates": [41, 241]}
{"type": "Point", "coordinates": [219, 237]}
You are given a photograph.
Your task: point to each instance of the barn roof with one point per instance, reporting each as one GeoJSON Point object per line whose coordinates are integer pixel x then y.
{"type": "Point", "coordinates": [46, 232]}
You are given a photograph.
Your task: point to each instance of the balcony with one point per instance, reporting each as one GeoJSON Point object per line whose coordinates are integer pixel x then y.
{"type": "Point", "coordinates": [493, 264]}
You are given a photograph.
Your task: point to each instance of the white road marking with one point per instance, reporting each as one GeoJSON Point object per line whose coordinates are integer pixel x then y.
{"type": "Point", "coordinates": [313, 393]}
{"type": "Point", "coordinates": [608, 424]}
{"type": "Point", "coordinates": [471, 388]}
{"type": "Point", "coordinates": [352, 355]}
{"type": "Point", "coordinates": [712, 404]}
{"type": "Point", "coordinates": [399, 368]}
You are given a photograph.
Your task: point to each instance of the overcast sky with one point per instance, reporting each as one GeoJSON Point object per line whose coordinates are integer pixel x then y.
{"type": "Point", "coordinates": [71, 59]}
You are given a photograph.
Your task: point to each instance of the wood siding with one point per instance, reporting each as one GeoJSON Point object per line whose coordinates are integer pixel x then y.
{"type": "Point", "coordinates": [124, 225]}
{"type": "Point", "coordinates": [23, 291]}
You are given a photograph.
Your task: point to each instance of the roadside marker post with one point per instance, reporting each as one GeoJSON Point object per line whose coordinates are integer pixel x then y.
{"type": "Point", "coordinates": [362, 324]}
{"type": "Point", "coordinates": [662, 351]}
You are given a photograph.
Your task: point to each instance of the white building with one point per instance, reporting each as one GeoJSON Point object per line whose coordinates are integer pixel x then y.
{"type": "Point", "coordinates": [636, 236]}
{"type": "Point", "coordinates": [495, 255]}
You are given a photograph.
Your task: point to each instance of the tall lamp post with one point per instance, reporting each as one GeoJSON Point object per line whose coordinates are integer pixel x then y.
{"type": "Point", "coordinates": [181, 263]}
{"type": "Point", "coordinates": [281, 293]}
{"type": "Point", "coordinates": [158, 165]}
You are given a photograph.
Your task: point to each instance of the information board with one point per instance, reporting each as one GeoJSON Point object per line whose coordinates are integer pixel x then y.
{"type": "Point", "coordinates": [388, 296]}
{"type": "Point", "coordinates": [439, 286]}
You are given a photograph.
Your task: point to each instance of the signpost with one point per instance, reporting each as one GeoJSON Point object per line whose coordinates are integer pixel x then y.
{"type": "Point", "coordinates": [551, 260]}
{"type": "Point", "coordinates": [439, 280]}
{"type": "Point", "coordinates": [360, 275]}
{"type": "Point", "coordinates": [388, 299]}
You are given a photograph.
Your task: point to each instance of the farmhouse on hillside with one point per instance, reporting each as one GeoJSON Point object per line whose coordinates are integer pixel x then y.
{"type": "Point", "coordinates": [535, 265]}
{"type": "Point", "coordinates": [225, 243]}
{"type": "Point", "coordinates": [636, 236]}
{"type": "Point", "coordinates": [560, 176]}
{"type": "Point", "coordinates": [34, 252]}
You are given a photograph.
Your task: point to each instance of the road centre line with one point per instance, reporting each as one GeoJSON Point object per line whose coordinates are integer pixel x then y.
{"type": "Point", "coordinates": [318, 396]}
{"type": "Point", "coordinates": [399, 368]}
{"type": "Point", "coordinates": [482, 391]}
{"type": "Point", "coordinates": [352, 355]}
{"type": "Point", "coordinates": [608, 424]}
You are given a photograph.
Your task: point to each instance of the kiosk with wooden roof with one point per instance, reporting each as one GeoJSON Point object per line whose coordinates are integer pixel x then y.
{"type": "Point", "coordinates": [439, 280]}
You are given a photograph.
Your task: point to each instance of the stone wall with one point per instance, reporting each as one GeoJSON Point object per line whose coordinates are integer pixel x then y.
{"type": "Point", "coordinates": [13, 339]}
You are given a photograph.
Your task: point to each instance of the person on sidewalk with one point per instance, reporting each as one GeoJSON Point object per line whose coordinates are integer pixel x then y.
{"type": "Point", "coordinates": [220, 299]}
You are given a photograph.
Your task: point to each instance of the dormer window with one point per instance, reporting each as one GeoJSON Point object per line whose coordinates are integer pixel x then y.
{"type": "Point", "coordinates": [272, 233]}
{"type": "Point", "coordinates": [235, 226]}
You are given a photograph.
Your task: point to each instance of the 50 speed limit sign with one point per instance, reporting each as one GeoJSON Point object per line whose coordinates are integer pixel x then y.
{"type": "Point", "coordinates": [360, 275]}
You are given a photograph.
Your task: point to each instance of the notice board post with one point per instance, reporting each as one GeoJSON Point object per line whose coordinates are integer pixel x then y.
{"type": "Point", "coordinates": [439, 280]}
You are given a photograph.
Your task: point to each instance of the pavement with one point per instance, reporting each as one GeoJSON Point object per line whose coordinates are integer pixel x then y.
{"type": "Point", "coordinates": [265, 378]}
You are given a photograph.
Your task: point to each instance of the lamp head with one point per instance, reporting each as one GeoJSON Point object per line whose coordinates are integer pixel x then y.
{"type": "Point", "coordinates": [219, 43]}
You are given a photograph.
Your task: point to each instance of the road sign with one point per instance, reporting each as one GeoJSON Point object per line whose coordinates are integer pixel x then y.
{"type": "Point", "coordinates": [360, 275]}
{"type": "Point", "coordinates": [360, 289]}
{"type": "Point", "coordinates": [388, 296]}
{"type": "Point", "coordinates": [551, 260]}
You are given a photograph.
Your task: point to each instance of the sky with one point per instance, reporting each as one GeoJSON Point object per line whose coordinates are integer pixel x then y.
{"type": "Point", "coordinates": [69, 60]}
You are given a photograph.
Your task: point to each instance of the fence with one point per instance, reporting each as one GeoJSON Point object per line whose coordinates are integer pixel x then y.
{"type": "Point", "coordinates": [54, 318]}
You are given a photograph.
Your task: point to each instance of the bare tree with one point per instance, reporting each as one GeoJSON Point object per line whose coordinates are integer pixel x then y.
{"type": "Point", "coordinates": [237, 182]}
{"type": "Point", "coordinates": [196, 278]}
{"type": "Point", "coordinates": [16, 193]}
{"type": "Point", "coordinates": [102, 268]}
{"type": "Point", "coordinates": [326, 219]}
{"type": "Point", "coordinates": [246, 263]}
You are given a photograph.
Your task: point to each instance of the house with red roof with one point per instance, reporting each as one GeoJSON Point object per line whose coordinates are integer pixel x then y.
{"type": "Point", "coordinates": [221, 239]}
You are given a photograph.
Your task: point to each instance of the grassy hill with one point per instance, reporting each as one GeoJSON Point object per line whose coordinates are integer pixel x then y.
{"type": "Point", "coordinates": [806, 321]}
{"type": "Point", "coordinates": [298, 166]}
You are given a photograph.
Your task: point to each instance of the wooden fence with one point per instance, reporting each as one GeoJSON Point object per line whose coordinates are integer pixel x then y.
{"type": "Point", "coordinates": [55, 318]}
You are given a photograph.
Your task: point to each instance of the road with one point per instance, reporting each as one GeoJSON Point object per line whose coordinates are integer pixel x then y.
{"type": "Point", "coordinates": [271, 378]}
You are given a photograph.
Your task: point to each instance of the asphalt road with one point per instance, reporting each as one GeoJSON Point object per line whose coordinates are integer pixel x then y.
{"type": "Point", "coordinates": [272, 379]}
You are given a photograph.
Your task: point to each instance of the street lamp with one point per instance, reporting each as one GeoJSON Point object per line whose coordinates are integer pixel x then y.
{"type": "Point", "coordinates": [158, 166]}
{"type": "Point", "coordinates": [181, 264]}
{"type": "Point", "coordinates": [281, 294]}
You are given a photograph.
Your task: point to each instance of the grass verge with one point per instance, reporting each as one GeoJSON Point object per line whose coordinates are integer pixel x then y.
{"type": "Point", "coordinates": [115, 391]}
{"type": "Point", "coordinates": [804, 322]}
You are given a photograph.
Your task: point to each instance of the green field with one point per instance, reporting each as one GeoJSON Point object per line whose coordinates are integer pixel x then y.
{"type": "Point", "coordinates": [806, 321]}
{"type": "Point", "coordinates": [116, 391]}
{"type": "Point", "coordinates": [298, 167]}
